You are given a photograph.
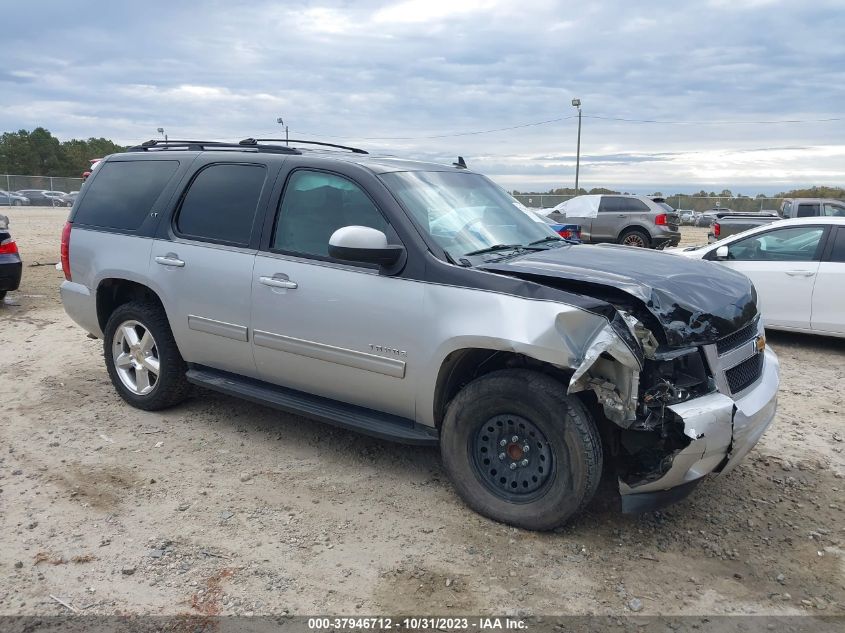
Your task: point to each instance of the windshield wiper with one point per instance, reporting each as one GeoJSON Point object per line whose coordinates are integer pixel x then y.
{"type": "Point", "coordinates": [548, 238]}
{"type": "Point", "coordinates": [495, 248]}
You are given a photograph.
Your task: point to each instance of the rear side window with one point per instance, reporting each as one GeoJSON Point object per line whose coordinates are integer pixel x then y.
{"type": "Point", "coordinates": [808, 210]}
{"type": "Point", "coordinates": [220, 204]}
{"type": "Point", "coordinates": [122, 194]}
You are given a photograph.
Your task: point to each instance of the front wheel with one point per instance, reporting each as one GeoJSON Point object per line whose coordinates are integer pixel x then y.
{"type": "Point", "coordinates": [142, 359]}
{"type": "Point", "coordinates": [18, 203]}
{"type": "Point", "coordinates": [519, 450]}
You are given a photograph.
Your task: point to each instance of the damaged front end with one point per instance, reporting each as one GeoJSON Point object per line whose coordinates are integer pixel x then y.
{"type": "Point", "coordinates": [680, 414]}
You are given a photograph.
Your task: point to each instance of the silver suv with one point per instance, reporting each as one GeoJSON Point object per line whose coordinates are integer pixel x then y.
{"type": "Point", "coordinates": [414, 302]}
{"type": "Point", "coordinates": [625, 219]}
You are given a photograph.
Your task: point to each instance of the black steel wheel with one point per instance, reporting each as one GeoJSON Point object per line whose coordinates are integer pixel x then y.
{"type": "Point", "coordinates": [513, 458]}
{"type": "Point", "coordinates": [520, 450]}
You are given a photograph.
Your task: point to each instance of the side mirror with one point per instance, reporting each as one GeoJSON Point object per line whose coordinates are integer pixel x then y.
{"type": "Point", "coordinates": [363, 244]}
{"type": "Point", "coordinates": [722, 252]}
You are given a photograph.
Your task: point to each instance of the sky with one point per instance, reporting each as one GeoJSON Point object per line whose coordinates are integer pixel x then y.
{"type": "Point", "coordinates": [705, 87]}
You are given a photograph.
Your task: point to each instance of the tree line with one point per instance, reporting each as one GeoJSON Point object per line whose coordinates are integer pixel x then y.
{"type": "Point", "coordinates": [39, 153]}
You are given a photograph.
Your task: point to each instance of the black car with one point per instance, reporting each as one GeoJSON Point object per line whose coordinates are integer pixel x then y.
{"type": "Point", "coordinates": [10, 260]}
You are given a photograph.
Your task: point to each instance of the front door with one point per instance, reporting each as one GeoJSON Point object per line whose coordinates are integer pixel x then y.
{"type": "Point", "coordinates": [330, 328]}
{"type": "Point", "coordinates": [203, 267]}
{"type": "Point", "coordinates": [783, 264]}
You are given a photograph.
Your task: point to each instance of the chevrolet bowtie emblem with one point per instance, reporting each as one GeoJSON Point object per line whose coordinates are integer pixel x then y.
{"type": "Point", "coordinates": [760, 343]}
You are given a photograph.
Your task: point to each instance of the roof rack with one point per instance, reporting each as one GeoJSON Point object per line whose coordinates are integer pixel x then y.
{"type": "Point", "coordinates": [251, 141]}
{"type": "Point", "coordinates": [198, 146]}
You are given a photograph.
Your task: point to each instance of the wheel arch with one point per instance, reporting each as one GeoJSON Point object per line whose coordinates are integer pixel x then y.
{"type": "Point", "coordinates": [113, 292]}
{"type": "Point", "coordinates": [461, 366]}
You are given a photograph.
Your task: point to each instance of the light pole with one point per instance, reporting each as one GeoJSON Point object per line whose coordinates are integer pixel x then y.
{"type": "Point", "coordinates": [163, 133]}
{"type": "Point", "coordinates": [280, 121]}
{"type": "Point", "coordinates": [577, 104]}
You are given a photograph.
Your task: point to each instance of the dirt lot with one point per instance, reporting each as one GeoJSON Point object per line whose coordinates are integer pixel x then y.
{"type": "Point", "coordinates": [219, 506]}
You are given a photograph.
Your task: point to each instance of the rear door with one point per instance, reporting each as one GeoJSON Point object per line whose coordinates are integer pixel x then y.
{"type": "Point", "coordinates": [616, 213]}
{"type": "Point", "coordinates": [828, 295]}
{"type": "Point", "coordinates": [202, 261]}
{"type": "Point", "coordinates": [783, 264]}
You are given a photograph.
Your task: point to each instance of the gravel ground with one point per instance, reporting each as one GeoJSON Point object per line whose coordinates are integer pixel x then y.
{"type": "Point", "coordinates": [224, 507]}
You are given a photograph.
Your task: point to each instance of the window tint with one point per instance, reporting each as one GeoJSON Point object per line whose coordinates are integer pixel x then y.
{"type": "Point", "coordinates": [807, 210]}
{"type": "Point", "coordinates": [795, 244]}
{"type": "Point", "coordinates": [837, 254]}
{"type": "Point", "coordinates": [221, 202]}
{"type": "Point", "coordinates": [835, 210]}
{"type": "Point", "coordinates": [314, 206]}
{"type": "Point", "coordinates": [619, 204]}
{"type": "Point", "coordinates": [122, 194]}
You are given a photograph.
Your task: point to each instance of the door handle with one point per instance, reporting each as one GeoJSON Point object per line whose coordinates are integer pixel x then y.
{"type": "Point", "coordinates": [621, 215]}
{"type": "Point", "coordinates": [170, 260]}
{"type": "Point", "coordinates": [800, 273]}
{"type": "Point", "coordinates": [278, 282]}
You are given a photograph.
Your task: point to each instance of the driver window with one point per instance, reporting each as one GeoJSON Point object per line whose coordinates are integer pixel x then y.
{"type": "Point", "coordinates": [315, 205]}
{"type": "Point", "coordinates": [794, 244]}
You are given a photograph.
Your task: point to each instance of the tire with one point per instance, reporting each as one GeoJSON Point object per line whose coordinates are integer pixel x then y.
{"type": "Point", "coordinates": [2, 295]}
{"type": "Point", "coordinates": [158, 391]}
{"type": "Point", "coordinates": [558, 428]}
{"type": "Point", "coordinates": [635, 237]}
{"type": "Point", "coordinates": [18, 203]}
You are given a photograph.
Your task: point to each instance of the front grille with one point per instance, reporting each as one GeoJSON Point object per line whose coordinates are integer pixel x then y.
{"type": "Point", "coordinates": [745, 374]}
{"type": "Point", "coordinates": [732, 341]}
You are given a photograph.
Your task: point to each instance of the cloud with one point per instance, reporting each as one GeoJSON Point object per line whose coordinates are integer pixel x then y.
{"type": "Point", "coordinates": [362, 71]}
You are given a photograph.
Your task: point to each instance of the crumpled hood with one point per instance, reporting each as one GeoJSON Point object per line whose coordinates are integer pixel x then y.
{"type": "Point", "coordinates": [694, 301]}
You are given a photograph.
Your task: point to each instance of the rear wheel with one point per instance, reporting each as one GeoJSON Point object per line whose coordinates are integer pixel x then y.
{"type": "Point", "coordinates": [142, 359]}
{"type": "Point", "coordinates": [635, 237]}
{"type": "Point", "coordinates": [520, 450]}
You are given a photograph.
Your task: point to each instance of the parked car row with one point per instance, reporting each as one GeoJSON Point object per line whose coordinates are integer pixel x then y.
{"type": "Point", "coordinates": [37, 197]}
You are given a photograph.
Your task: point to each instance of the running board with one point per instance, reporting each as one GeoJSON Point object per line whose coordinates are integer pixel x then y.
{"type": "Point", "coordinates": [347, 416]}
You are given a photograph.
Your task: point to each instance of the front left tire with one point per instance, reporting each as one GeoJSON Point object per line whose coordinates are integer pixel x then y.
{"type": "Point", "coordinates": [520, 450]}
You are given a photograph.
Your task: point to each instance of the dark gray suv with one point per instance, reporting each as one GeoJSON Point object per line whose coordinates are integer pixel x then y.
{"type": "Point", "coordinates": [623, 219]}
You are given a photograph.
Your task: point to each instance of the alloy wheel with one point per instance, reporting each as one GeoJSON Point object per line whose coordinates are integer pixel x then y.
{"type": "Point", "coordinates": [136, 358]}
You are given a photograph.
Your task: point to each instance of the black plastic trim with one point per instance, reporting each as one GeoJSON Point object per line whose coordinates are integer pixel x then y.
{"type": "Point", "coordinates": [374, 423]}
{"type": "Point", "coordinates": [638, 503]}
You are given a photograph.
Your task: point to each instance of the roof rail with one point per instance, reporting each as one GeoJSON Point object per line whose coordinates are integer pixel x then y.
{"type": "Point", "coordinates": [198, 146]}
{"type": "Point", "coordinates": [250, 141]}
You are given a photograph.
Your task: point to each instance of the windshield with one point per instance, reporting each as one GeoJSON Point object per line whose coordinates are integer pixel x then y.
{"type": "Point", "coordinates": [465, 212]}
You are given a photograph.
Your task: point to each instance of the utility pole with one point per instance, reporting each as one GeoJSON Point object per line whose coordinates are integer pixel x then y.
{"type": "Point", "coordinates": [577, 104]}
{"type": "Point", "coordinates": [281, 122]}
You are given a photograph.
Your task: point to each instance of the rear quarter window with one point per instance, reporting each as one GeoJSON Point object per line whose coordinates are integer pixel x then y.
{"type": "Point", "coordinates": [123, 193]}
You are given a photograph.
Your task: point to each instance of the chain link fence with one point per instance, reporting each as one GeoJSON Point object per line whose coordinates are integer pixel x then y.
{"type": "Point", "coordinates": [681, 203]}
{"type": "Point", "coordinates": [13, 183]}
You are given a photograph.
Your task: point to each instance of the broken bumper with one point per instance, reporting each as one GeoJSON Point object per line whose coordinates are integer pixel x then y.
{"type": "Point", "coordinates": [721, 430]}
